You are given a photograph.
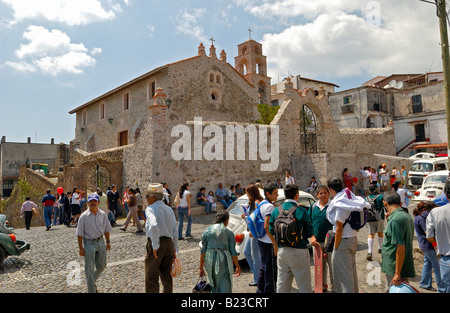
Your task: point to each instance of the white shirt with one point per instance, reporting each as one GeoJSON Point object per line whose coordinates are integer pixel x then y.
{"type": "Point", "coordinates": [289, 180]}
{"type": "Point", "coordinates": [438, 226]}
{"type": "Point", "coordinates": [183, 201]}
{"type": "Point", "coordinates": [384, 174]}
{"type": "Point", "coordinates": [161, 222]}
{"type": "Point", "coordinates": [93, 226]}
{"type": "Point", "coordinates": [266, 210]}
{"type": "Point", "coordinates": [340, 208]}
{"type": "Point", "coordinates": [402, 193]}
{"type": "Point", "coordinates": [75, 198]}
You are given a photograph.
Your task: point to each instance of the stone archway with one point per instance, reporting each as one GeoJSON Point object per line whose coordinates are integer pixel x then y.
{"type": "Point", "coordinates": [308, 131]}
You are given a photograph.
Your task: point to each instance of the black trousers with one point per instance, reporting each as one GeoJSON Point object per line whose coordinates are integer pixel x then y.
{"type": "Point", "coordinates": [28, 217]}
{"type": "Point", "coordinates": [267, 280]}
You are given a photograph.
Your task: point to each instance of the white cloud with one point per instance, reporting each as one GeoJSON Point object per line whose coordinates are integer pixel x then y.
{"type": "Point", "coordinates": [71, 12]}
{"type": "Point", "coordinates": [51, 52]}
{"type": "Point", "coordinates": [187, 22]}
{"type": "Point", "coordinates": [338, 39]}
{"type": "Point", "coordinates": [151, 30]}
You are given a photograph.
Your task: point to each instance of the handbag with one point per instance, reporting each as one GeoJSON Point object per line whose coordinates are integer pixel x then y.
{"type": "Point", "coordinates": [202, 286]}
{"type": "Point", "coordinates": [176, 268]}
{"type": "Point", "coordinates": [329, 243]}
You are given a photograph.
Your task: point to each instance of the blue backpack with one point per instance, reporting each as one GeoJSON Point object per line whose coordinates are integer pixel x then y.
{"type": "Point", "coordinates": [256, 222]}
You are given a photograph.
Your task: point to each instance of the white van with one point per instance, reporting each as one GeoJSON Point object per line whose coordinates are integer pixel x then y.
{"type": "Point", "coordinates": [422, 168]}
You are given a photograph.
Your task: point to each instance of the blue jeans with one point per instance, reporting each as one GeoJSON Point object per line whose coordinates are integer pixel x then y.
{"type": "Point", "coordinates": [94, 261]}
{"type": "Point", "coordinates": [444, 263]}
{"type": "Point", "coordinates": [48, 211]}
{"type": "Point", "coordinates": [208, 206]}
{"type": "Point", "coordinates": [431, 263]}
{"type": "Point", "coordinates": [55, 215]}
{"type": "Point", "coordinates": [251, 252]}
{"type": "Point", "coordinates": [226, 204]}
{"type": "Point", "coordinates": [182, 212]}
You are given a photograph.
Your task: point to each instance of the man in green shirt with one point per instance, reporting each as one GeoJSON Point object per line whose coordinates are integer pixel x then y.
{"type": "Point", "coordinates": [293, 261]}
{"type": "Point", "coordinates": [397, 251]}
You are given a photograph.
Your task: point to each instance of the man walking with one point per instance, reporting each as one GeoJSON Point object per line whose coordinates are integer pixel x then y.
{"type": "Point", "coordinates": [92, 225]}
{"type": "Point", "coordinates": [397, 250]}
{"type": "Point", "coordinates": [113, 201]}
{"type": "Point", "coordinates": [293, 260]}
{"type": "Point", "coordinates": [27, 211]}
{"type": "Point", "coordinates": [162, 241]}
{"type": "Point", "coordinates": [48, 200]}
{"type": "Point", "coordinates": [438, 230]}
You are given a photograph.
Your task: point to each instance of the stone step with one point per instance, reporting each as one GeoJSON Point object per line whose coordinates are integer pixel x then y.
{"type": "Point", "coordinates": [199, 209]}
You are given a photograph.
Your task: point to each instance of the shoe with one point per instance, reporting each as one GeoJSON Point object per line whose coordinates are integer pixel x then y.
{"type": "Point", "coordinates": [253, 283]}
{"type": "Point", "coordinates": [182, 238]}
{"type": "Point", "coordinates": [123, 229]}
{"type": "Point", "coordinates": [428, 288]}
{"type": "Point", "coordinates": [369, 256]}
{"type": "Point", "coordinates": [139, 231]}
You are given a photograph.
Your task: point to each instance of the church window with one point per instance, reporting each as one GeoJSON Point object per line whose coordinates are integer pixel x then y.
{"type": "Point", "coordinates": [126, 101]}
{"type": "Point", "coordinates": [151, 90]}
{"type": "Point", "coordinates": [214, 96]}
{"type": "Point", "coordinates": [102, 111]}
{"type": "Point", "coordinates": [219, 79]}
{"type": "Point", "coordinates": [211, 77]}
{"type": "Point", "coordinates": [84, 118]}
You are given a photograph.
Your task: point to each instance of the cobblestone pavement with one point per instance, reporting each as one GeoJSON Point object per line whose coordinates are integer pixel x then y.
{"type": "Point", "coordinates": [53, 264]}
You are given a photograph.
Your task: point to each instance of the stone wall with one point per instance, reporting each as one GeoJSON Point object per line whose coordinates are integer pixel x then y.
{"type": "Point", "coordinates": [39, 185]}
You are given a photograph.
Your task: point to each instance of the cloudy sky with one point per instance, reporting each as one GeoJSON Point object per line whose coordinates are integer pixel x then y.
{"type": "Point", "coordinates": [58, 54]}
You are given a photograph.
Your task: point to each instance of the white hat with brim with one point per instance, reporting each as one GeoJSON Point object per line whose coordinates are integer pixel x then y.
{"type": "Point", "coordinates": [154, 188]}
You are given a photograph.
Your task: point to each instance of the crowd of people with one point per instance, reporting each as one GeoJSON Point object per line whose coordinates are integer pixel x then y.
{"type": "Point", "coordinates": [273, 263]}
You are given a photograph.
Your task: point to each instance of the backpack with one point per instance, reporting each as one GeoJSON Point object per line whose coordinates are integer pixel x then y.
{"type": "Point", "coordinates": [286, 229]}
{"type": "Point", "coordinates": [357, 219]}
{"type": "Point", "coordinates": [374, 214]}
{"type": "Point", "coordinates": [256, 222]}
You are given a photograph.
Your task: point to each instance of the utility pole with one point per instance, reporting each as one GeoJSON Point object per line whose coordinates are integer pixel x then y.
{"type": "Point", "coordinates": [443, 19]}
{"type": "Point", "coordinates": [442, 14]}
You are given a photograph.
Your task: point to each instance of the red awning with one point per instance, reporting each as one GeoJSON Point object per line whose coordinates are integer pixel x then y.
{"type": "Point", "coordinates": [429, 145]}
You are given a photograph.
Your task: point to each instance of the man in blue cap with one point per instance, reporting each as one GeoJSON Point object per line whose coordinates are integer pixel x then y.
{"type": "Point", "coordinates": [92, 226]}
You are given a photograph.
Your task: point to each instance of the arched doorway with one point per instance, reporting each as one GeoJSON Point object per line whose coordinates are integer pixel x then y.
{"type": "Point", "coordinates": [308, 134]}
{"type": "Point", "coordinates": [98, 176]}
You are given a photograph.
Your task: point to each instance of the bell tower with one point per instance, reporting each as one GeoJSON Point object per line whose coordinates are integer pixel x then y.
{"type": "Point", "coordinates": [252, 64]}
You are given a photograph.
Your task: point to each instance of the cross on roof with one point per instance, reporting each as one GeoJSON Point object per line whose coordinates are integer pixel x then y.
{"type": "Point", "coordinates": [212, 40]}
{"type": "Point", "coordinates": [249, 33]}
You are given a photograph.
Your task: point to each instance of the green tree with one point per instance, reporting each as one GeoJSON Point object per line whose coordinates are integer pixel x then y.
{"type": "Point", "coordinates": [267, 113]}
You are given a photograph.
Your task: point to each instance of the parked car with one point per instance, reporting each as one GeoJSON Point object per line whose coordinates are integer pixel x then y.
{"type": "Point", "coordinates": [423, 155]}
{"type": "Point", "coordinates": [422, 168]}
{"type": "Point", "coordinates": [433, 186]}
{"type": "Point", "coordinates": [238, 225]}
{"type": "Point", "coordinates": [9, 244]}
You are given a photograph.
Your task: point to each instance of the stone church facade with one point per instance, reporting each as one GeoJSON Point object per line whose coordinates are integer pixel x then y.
{"type": "Point", "coordinates": [131, 132]}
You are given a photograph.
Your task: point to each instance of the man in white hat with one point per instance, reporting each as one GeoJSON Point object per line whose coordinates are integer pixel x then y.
{"type": "Point", "coordinates": [162, 241]}
{"type": "Point", "coordinates": [93, 224]}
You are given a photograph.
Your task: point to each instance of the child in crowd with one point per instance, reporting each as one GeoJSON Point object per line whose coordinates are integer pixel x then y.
{"type": "Point", "coordinates": [211, 200]}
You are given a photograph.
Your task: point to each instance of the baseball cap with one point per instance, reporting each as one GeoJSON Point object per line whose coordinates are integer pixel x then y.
{"type": "Point", "coordinates": [93, 196]}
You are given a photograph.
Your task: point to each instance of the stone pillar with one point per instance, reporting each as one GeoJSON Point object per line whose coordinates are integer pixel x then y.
{"type": "Point", "coordinates": [201, 49]}
{"type": "Point", "coordinates": [212, 52]}
{"type": "Point", "coordinates": [159, 102]}
{"type": "Point", "coordinates": [223, 56]}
